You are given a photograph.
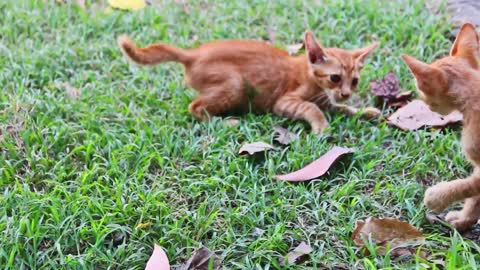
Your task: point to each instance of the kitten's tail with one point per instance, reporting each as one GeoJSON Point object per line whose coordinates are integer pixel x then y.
{"type": "Point", "coordinates": [153, 54]}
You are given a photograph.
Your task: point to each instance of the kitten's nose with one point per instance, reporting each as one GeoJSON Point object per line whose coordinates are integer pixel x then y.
{"type": "Point", "coordinates": [345, 95]}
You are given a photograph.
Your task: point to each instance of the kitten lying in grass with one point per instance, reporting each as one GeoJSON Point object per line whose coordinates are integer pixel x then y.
{"type": "Point", "coordinates": [239, 75]}
{"type": "Point", "coordinates": [453, 83]}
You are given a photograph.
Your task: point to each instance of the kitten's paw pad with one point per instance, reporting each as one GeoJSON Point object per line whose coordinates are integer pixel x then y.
{"type": "Point", "coordinates": [437, 197]}
{"type": "Point", "coordinates": [459, 221]}
{"type": "Point", "coordinates": [371, 113]}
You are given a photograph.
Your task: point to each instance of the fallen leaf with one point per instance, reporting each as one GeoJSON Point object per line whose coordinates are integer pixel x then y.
{"type": "Point", "coordinates": [158, 260]}
{"type": "Point", "coordinates": [297, 254]}
{"type": "Point", "coordinates": [388, 92]}
{"type": "Point", "coordinates": [252, 148]}
{"type": "Point", "coordinates": [127, 4]}
{"type": "Point", "coordinates": [417, 114]}
{"type": "Point", "coordinates": [143, 225]}
{"type": "Point", "coordinates": [294, 48]}
{"type": "Point", "coordinates": [400, 100]}
{"type": "Point", "coordinates": [384, 231]}
{"type": "Point", "coordinates": [272, 37]}
{"type": "Point", "coordinates": [201, 259]}
{"type": "Point", "coordinates": [317, 168]}
{"type": "Point", "coordinates": [387, 88]}
{"type": "Point", "coordinates": [284, 136]}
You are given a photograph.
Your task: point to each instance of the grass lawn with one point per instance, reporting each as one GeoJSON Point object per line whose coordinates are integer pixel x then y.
{"type": "Point", "coordinates": [80, 173]}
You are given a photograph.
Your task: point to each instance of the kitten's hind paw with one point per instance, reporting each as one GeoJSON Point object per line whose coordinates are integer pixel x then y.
{"type": "Point", "coordinates": [371, 113]}
{"type": "Point", "coordinates": [438, 197]}
{"type": "Point", "coordinates": [460, 221]}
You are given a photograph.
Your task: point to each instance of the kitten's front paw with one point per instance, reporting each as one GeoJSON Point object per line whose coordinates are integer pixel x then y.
{"type": "Point", "coordinates": [319, 128]}
{"type": "Point", "coordinates": [437, 198]}
{"type": "Point", "coordinates": [371, 113]}
{"type": "Point", "coordinates": [197, 109]}
{"type": "Point", "coordinates": [459, 220]}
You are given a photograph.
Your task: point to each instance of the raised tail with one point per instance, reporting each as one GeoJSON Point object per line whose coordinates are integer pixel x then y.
{"type": "Point", "coordinates": [153, 54]}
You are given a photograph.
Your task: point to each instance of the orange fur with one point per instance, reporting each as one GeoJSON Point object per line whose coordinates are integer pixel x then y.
{"type": "Point", "coordinates": [240, 74]}
{"type": "Point", "coordinates": [453, 83]}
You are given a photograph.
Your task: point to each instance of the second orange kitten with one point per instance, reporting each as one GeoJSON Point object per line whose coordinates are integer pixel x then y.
{"type": "Point", "coordinates": [453, 83]}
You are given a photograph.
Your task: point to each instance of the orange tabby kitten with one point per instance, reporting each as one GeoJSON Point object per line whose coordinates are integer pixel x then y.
{"type": "Point", "coordinates": [240, 74]}
{"type": "Point", "coordinates": [453, 83]}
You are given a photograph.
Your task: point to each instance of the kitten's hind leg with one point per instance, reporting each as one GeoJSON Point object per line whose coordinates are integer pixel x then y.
{"type": "Point", "coordinates": [218, 99]}
{"type": "Point", "coordinates": [467, 217]}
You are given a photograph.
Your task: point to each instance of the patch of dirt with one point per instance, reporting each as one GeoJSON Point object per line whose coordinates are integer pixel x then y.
{"type": "Point", "coordinates": [459, 12]}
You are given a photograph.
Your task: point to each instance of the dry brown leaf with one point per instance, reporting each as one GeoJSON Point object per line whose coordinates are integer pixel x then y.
{"type": "Point", "coordinates": [284, 136]}
{"type": "Point", "coordinates": [294, 48]}
{"type": "Point", "coordinates": [388, 92]}
{"type": "Point", "coordinates": [317, 168]}
{"type": "Point", "coordinates": [297, 254]}
{"type": "Point", "coordinates": [400, 100]}
{"type": "Point", "coordinates": [201, 259]}
{"type": "Point", "coordinates": [417, 114]}
{"type": "Point", "coordinates": [384, 231]}
{"type": "Point", "coordinates": [256, 147]}
{"type": "Point", "coordinates": [158, 260]}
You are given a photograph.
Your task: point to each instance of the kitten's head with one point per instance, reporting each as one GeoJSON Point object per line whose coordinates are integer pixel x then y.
{"type": "Point", "coordinates": [335, 70]}
{"type": "Point", "coordinates": [436, 81]}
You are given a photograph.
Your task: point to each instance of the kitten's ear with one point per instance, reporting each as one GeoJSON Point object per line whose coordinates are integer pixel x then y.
{"type": "Point", "coordinates": [466, 44]}
{"type": "Point", "coordinates": [362, 54]}
{"type": "Point", "coordinates": [425, 74]}
{"type": "Point", "coordinates": [315, 52]}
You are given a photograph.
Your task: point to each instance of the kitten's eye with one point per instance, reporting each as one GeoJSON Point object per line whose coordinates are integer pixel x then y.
{"type": "Point", "coordinates": [335, 78]}
{"type": "Point", "coordinates": [354, 82]}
